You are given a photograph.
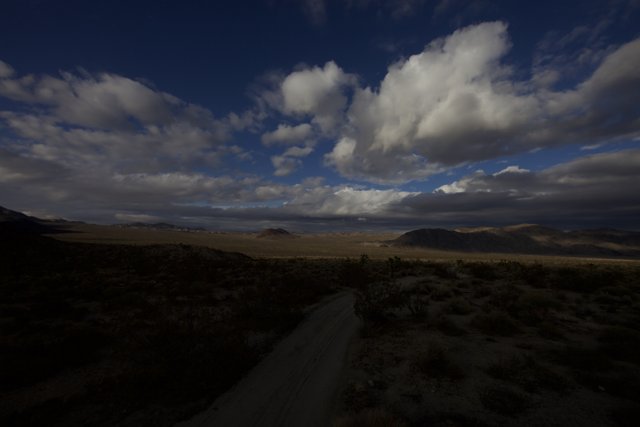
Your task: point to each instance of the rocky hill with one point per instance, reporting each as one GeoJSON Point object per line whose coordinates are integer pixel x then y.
{"type": "Point", "coordinates": [12, 223]}
{"type": "Point", "coordinates": [275, 233]}
{"type": "Point", "coordinates": [525, 239]}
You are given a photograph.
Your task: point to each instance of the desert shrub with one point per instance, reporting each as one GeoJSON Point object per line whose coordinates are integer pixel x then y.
{"type": "Point", "coordinates": [625, 415]}
{"type": "Point", "coordinates": [618, 291]}
{"type": "Point", "coordinates": [504, 298]}
{"type": "Point", "coordinates": [38, 356]}
{"type": "Point", "coordinates": [154, 312]}
{"type": "Point", "coordinates": [443, 270]}
{"type": "Point", "coordinates": [548, 329]}
{"type": "Point", "coordinates": [615, 295]}
{"type": "Point", "coordinates": [584, 311]}
{"type": "Point", "coordinates": [459, 306]}
{"type": "Point", "coordinates": [358, 397]}
{"type": "Point", "coordinates": [448, 327]}
{"type": "Point", "coordinates": [396, 267]}
{"type": "Point", "coordinates": [437, 362]}
{"type": "Point", "coordinates": [620, 343]}
{"type": "Point", "coordinates": [482, 270]}
{"type": "Point", "coordinates": [48, 413]}
{"type": "Point", "coordinates": [584, 279]}
{"type": "Point", "coordinates": [581, 358]}
{"type": "Point", "coordinates": [533, 307]}
{"type": "Point", "coordinates": [504, 401]}
{"type": "Point", "coordinates": [464, 284]}
{"type": "Point", "coordinates": [356, 273]}
{"type": "Point", "coordinates": [623, 383]}
{"type": "Point", "coordinates": [180, 361]}
{"type": "Point", "coordinates": [531, 274]}
{"type": "Point", "coordinates": [374, 417]}
{"type": "Point", "coordinates": [495, 324]}
{"type": "Point", "coordinates": [417, 304]}
{"type": "Point", "coordinates": [450, 418]}
{"type": "Point", "coordinates": [440, 293]}
{"type": "Point", "coordinates": [482, 290]}
{"type": "Point", "coordinates": [525, 372]}
{"type": "Point", "coordinates": [376, 301]}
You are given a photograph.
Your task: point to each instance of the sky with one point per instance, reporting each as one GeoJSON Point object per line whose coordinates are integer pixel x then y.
{"type": "Point", "coordinates": [322, 115]}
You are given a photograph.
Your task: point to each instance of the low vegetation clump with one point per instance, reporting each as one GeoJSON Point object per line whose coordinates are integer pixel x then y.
{"type": "Point", "coordinates": [496, 324]}
{"type": "Point", "coordinates": [371, 418]}
{"type": "Point", "coordinates": [117, 334]}
{"type": "Point", "coordinates": [438, 362]}
{"type": "Point", "coordinates": [504, 400]}
{"type": "Point", "coordinates": [459, 306]}
{"type": "Point", "coordinates": [620, 343]}
{"type": "Point", "coordinates": [527, 373]}
{"type": "Point", "coordinates": [449, 327]}
{"type": "Point", "coordinates": [506, 343]}
{"type": "Point", "coordinates": [97, 334]}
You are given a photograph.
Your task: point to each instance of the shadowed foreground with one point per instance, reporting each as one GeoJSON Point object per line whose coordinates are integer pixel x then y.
{"type": "Point", "coordinates": [297, 383]}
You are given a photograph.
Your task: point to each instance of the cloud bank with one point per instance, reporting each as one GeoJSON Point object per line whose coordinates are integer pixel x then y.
{"type": "Point", "coordinates": [105, 147]}
{"type": "Point", "coordinates": [458, 102]}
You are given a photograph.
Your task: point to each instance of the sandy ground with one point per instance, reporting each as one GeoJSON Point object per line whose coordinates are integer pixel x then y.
{"type": "Point", "coordinates": [297, 384]}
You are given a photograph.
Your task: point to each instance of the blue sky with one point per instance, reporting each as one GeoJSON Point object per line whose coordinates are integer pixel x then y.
{"type": "Point", "coordinates": [322, 114]}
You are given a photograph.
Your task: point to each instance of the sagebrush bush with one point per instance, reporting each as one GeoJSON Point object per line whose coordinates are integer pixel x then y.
{"type": "Point", "coordinates": [504, 401]}
{"type": "Point", "coordinates": [448, 327]}
{"type": "Point", "coordinates": [496, 324]}
{"type": "Point", "coordinates": [525, 372]}
{"type": "Point", "coordinates": [438, 362]}
{"type": "Point", "coordinates": [376, 301]}
{"type": "Point", "coordinates": [459, 306]}
{"type": "Point", "coordinates": [620, 343]}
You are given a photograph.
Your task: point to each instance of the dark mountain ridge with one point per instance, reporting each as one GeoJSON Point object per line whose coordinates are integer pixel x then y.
{"type": "Point", "coordinates": [14, 223]}
{"type": "Point", "coordinates": [525, 239]}
{"type": "Point", "coordinates": [275, 233]}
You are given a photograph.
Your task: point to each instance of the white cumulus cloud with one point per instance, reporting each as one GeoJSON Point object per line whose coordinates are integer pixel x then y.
{"type": "Point", "coordinates": [458, 102]}
{"type": "Point", "coordinates": [285, 134]}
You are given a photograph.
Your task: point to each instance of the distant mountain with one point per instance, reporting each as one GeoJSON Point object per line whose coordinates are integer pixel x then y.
{"type": "Point", "coordinates": [160, 226]}
{"type": "Point", "coordinates": [16, 223]}
{"type": "Point", "coordinates": [525, 239]}
{"type": "Point", "coordinates": [275, 233]}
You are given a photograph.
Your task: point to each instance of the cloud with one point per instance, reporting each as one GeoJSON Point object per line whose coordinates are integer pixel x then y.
{"type": "Point", "coordinates": [289, 161]}
{"type": "Point", "coordinates": [88, 145]}
{"type": "Point", "coordinates": [449, 104]}
{"type": "Point", "coordinates": [286, 134]}
{"type": "Point", "coordinates": [349, 201]}
{"type": "Point", "coordinates": [105, 101]}
{"type": "Point", "coordinates": [111, 123]}
{"type": "Point", "coordinates": [457, 102]}
{"type": "Point", "coordinates": [585, 192]}
{"type": "Point", "coordinates": [316, 92]}
{"type": "Point", "coordinates": [6, 70]}
{"type": "Point", "coordinates": [129, 217]}
{"type": "Point", "coordinates": [316, 11]}
{"type": "Point", "coordinates": [285, 165]}
{"type": "Point", "coordinates": [91, 146]}
{"type": "Point", "coordinates": [298, 151]}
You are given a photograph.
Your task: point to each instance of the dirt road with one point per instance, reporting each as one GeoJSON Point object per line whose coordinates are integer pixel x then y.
{"type": "Point", "coordinates": [296, 384]}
